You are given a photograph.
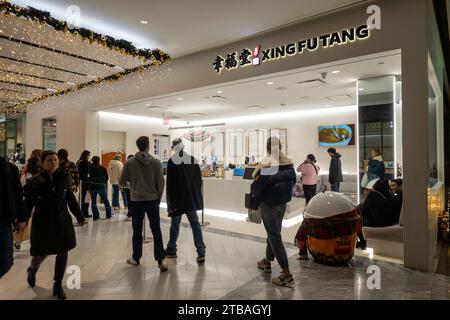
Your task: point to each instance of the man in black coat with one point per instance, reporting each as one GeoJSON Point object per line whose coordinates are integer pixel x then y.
{"type": "Point", "coordinates": [184, 195]}
{"type": "Point", "coordinates": [12, 211]}
{"type": "Point", "coordinates": [335, 172]}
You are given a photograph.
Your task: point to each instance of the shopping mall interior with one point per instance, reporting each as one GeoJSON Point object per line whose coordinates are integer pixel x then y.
{"type": "Point", "coordinates": [315, 75]}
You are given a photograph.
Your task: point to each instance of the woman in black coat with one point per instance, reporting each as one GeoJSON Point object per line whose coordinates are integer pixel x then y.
{"type": "Point", "coordinates": [52, 231]}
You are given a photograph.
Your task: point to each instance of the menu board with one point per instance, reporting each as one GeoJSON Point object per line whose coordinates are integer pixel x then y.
{"type": "Point", "coordinates": [256, 143]}
{"type": "Point", "coordinates": [235, 144]}
{"type": "Point", "coordinates": [282, 135]}
{"type": "Point", "coordinates": [161, 147]}
{"type": "Point", "coordinates": [217, 144]}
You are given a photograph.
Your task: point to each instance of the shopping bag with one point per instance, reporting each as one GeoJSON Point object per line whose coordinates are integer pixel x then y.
{"type": "Point", "coordinates": [365, 180]}
{"type": "Point", "coordinates": [25, 234]}
{"type": "Point", "coordinates": [250, 201]}
{"type": "Point", "coordinates": [254, 215]}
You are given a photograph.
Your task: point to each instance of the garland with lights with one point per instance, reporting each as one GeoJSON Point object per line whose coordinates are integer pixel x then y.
{"type": "Point", "coordinates": [197, 136]}
{"type": "Point", "coordinates": [155, 57]}
{"type": "Point", "coordinates": [44, 17]}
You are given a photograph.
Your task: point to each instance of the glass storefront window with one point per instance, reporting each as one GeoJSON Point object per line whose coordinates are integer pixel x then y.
{"type": "Point", "coordinates": [49, 133]}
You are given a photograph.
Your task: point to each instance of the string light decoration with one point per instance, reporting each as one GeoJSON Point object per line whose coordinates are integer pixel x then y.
{"type": "Point", "coordinates": [19, 88]}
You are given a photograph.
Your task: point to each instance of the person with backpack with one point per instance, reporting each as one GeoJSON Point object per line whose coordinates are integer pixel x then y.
{"type": "Point", "coordinates": [98, 179]}
{"type": "Point", "coordinates": [310, 176]}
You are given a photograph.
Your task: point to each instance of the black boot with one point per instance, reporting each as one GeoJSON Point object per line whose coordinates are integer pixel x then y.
{"type": "Point", "coordinates": [58, 291]}
{"type": "Point", "coordinates": [31, 278]}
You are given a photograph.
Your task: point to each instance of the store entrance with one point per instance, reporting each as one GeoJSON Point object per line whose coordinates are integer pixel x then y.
{"type": "Point", "coordinates": [312, 111]}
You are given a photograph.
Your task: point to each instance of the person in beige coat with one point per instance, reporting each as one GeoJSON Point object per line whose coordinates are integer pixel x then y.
{"type": "Point", "coordinates": [115, 167]}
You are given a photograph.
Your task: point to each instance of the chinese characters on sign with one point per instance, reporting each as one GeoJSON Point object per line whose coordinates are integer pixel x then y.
{"type": "Point", "coordinates": [257, 56]}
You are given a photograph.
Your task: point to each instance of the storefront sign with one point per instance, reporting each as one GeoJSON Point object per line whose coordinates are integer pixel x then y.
{"type": "Point", "coordinates": [259, 55]}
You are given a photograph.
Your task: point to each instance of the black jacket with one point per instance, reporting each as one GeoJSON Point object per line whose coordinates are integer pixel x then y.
{"type": "Point", "coordinates": [98, 178]}
{"type": "Point", "coordinates": [183, 185]}
{"type": "Point", "coordinates": [11, 198]}
{"type": "Point", "coordinates": [52, 231]}
{"type": "Point", "coordinates": [376, 211]}
{"type": "Point", "coordinates": [274, 185]}
{"type": "Point", "coordinates": [396, 200]}
{"type": "Point", "coordinates": [83, 170]}
{"type": "Point", "coordinates": [335, 172]}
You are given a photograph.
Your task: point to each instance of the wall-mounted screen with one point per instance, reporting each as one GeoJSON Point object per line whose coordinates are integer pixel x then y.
{"type": "Point", "coordinates": [337, 136]}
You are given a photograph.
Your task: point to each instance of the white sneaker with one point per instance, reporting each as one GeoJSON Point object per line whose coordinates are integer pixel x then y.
{"type": "Point", "coordinates": [132, 262]}
{"type": "Point", "coordinates": [163, 266]}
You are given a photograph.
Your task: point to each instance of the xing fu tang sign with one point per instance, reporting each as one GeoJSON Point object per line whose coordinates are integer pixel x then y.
{"type": "Point", "coordinates": [260, 55]}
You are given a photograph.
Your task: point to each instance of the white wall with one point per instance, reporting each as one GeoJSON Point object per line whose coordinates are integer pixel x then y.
{"type": "Point", "coordinates": [133, 126]}
{"type": "Point", "coordinates": [113, 141]}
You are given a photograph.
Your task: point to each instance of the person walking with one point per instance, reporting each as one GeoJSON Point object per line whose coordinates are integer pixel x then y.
{"type": "Point", "coordinates": [144, 174]}
{"type": "Point", "coordinates": [12, 212]}
{"type": "Point", "coordinates": [83, 165]}
{"type": "Point", "coordinates": [50, 194]}
{"type": "Point", "coordinates": [98, 179]}
{"type": "Point", "coordinates": [310, 176]}
{"type": "Point", "coordinates": [335, 173]}
{"type": "Point", "coordinates": [274, 178]}
{"type": "Point", "coordinates": [36, 155]}
{"type": "Point", "coordinates": [32, 168]}
{"type": "Point", "coordinates": [184, 196]}
{"type": "Point", "coordinates": [128, 193]}
{"type": "Point", "coordinates": [115, 167]}
{"type": "Point", "coordinates": [70, 168]}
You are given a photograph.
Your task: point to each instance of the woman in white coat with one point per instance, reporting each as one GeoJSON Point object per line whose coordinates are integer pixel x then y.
{"type": "Point", "coordinates": [114, 171]}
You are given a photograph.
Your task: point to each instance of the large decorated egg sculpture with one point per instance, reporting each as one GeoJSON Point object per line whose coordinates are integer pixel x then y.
{"type": "Point", "coordinates": [331, 222]}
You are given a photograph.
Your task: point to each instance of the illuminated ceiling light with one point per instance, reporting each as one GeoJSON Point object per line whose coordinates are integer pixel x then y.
{"type": "Point", "coordinates": [70, 83]}
{"type": "Point", "coordinates": [13, 52]}
{"type": "Point", "coordinates": [52, 90]}
{"type": "Point", "coordinates": [179, 99]}
{"type": "Point", "coordinates": [119, 67]}
{"type": "Point", "coordinates": [361, 89]}
{"type": "Point", "coordinates": [147, 104]}
{"type": "Point", "coordinates": [335, 72]}
{"type": "Point", "coordinates": [144, 21]}
{"type": "Point", "coordinates": [255, 108]}
{"type": "Point", "coordinates": [219, 91]}
{"type": "Point", "coordinates": [270, 83]}
{"type": "Point", "coordinates": [121, 109]}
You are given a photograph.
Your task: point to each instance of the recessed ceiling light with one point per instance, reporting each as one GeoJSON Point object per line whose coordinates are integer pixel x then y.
{"type": "Point", "coordinates": [255, 108]}
{"type": "Point", "coordinates": [335, 71]}
{"type": "Point", "coordinates": [361, 89]}
{"type": "Point", "coordinates": [144, 21]}
{"type": "Point", "coordinates": [219, 91]}
{"type": "Point", "coordinates": [157, 108]}
{"type": "Point", "coordinates": [147, 104]}
{"type": "Point", "coordinates": [179, 99]}
{"type": "Point", "coordinates": [121, 109]}
{"type": "Point", "coordinates": [270, 83]}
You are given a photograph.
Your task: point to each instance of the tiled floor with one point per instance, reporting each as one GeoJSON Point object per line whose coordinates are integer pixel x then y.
{"type": "Point", "coordinates": [229, 272]}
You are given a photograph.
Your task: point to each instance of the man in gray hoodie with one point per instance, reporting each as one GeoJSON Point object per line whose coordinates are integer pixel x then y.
{"type": "Point", "coordinates": [144, 174]}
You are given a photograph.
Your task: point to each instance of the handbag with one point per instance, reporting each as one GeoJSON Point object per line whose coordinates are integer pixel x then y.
{"type": "Point", "coordinates": [254, 215]}
{"type": "Point", "coordinates": [250, 201]}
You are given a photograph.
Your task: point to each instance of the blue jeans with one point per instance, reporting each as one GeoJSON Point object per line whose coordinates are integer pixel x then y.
{"type": "Point", "coordinates": [138, 214]}
{"type": "Point", "coordinates": [115, 197]}
{"type": "Point", "coordinates": [335, 186]}
{"type": "Point", "coordinates": [104, 197]}
{"type": "Point", "coordinates": [272, 218]}
{"type": "Point", "coordinates": [196, 232]}
{"type": "Point", "coordinates": [6, 249]}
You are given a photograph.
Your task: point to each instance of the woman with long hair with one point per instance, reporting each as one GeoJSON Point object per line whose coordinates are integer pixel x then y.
{"type": "Point", "coordinates": [50, 194]}
{"type": "Point", "coordinates": [310, 176]}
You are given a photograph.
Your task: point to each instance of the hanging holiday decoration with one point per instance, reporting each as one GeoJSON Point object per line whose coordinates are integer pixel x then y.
{"type": "Point", "coordinates": [197, 135]}
{"type": "Point", "coordinates": [45, 57]}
